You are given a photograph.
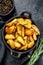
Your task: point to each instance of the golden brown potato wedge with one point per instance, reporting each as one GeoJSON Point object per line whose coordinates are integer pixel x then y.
{"type": "Point", "coordinates": [25, 39]}
{"type": "Point", "coordinates": [14, 21]}
{"type": "Point", "coordinates": [20, 39]}
{"type": "Point", "coordinates": [19, 29]}
{"type": "Point", "coordinates": [22, 21]}
{"type": "Point", "coordinates": [9, 36]}
{"type": "Point", "coordinates": [31, 38]}
{"type": "Point", "coordinates": [28, 20]}
{"type": "Point", "coordinates": [17, 44]}
{"type": "Point", "coordinates": [28, 25]}
{"type": "Point", "coordinates": [34, 37]}
{"type": "Point", "coordinates": [28, 32]}
{"type": "Point", "coordinates": [31, 44]}
{"type": "Point", "coordinates": [11, 43]}
{"type": "Point", "coordinates": [22, 32]}
{"type": "Point", "coordinates": [36, 29]}
{"type": "Point", "coordinates": [24, 47]}
{"type": "Point", "coordinates": [16, 35]}
{"type": "Point", "coordinates": [10, 29]}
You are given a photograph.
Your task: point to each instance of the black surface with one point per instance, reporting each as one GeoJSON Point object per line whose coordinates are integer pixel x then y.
{"type": "Point", "coordinates": [35, 7]}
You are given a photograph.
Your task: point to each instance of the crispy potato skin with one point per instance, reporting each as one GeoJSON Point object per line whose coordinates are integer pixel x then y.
{"type": "Point", "coordinates": [21, 34]}
{"type": "Point", "coordinates": [11, 43]}
{"type": "Point", "coordinates": [29, 32]}
{"type": "Point", "coordinates": [11, 23]}
{"type": "Point", "coordinates": [9, 36]}
{"type": "Point", "coordinates": [17, 44]}
{"type": "Point", "coordinates": [20, 39]}
{"type": "Point", "coordinates": [10, 29]}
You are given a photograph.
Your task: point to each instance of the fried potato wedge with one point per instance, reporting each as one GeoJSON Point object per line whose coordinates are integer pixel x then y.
{"type": "Point", "coordinates": [28, 25]}
{"type": "Point", "coordinates": [19, 29]}
{"type": "Point", "coordinates": [31, 44]}
{"type": "Point", "coordinates": [10, 29]}
{"type": "Point", "coordinates": [12, 22]}
{"type": "Point", "coordinates": [24, 47]}
{"type": "Point", "coordinates": [22, 32]}
{"type": "Point", "coordinates": [31, 38]}
{"type": "Point", "coordinates": [28, 32]}
{"type": "Point", "coordinates": [22, 21]}
{"type": "Point", "coordinates": [9, 36]}
{"type": "Point", "coordinates": [20, 39]}
{"type": "Point", "coordinates": [17, 44]}
{"type": "Point", "coordinates": [28, 20]}
{"type": "Point", "coordinates": [34, 37]}
{"type": "Point", "coordinates": [11, 43]}
{"type": "Point", "coordinates": [16, 35]}
{"type": "Point", "coordinates": [36, 29]}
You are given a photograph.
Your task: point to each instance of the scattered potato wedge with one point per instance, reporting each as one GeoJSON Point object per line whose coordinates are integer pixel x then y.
{"type": "Point", "coordinates": [9, 36]}
{"type": "Point", "coordinates": [11, 43]}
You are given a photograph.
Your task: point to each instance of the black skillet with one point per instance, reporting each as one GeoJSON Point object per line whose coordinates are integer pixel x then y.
{"type": "Point", "coordinates": [16, 53]}
{"type": "Point", "coordinates": [3, 16]}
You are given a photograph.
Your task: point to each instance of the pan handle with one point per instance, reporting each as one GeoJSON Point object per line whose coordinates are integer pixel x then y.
{"type": "Point", "coordinates": [15, 54]}
{"type": "Point", "coordinates": [26, 14]}
{"type": "Point", "coordinates": [1, 22]}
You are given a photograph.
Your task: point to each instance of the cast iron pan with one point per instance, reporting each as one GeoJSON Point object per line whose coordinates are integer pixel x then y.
{"type": "Point", "coordinates": [16, 53]}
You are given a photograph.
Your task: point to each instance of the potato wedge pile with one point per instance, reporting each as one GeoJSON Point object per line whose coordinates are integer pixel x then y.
{"type": "Point", "coordinates": [21, 34]}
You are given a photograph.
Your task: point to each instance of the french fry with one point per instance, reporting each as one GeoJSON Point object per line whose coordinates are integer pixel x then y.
{"type": "Point", "coordinates": [17, 44]}
{"type": "Point", "coordinates": [20, 39]}
{"type": "Point", "coordinates": [9, 36]}
{"type": "Point", "coordinates": [11, 43]}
